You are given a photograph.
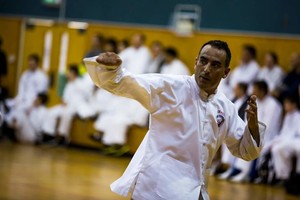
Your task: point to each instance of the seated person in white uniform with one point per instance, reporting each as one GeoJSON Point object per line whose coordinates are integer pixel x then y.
{"type": "Point", "coordinates": [27, 123]}
{"type": "Point", "coordinates": [286, 146]}
{"type": "Point", "coordinates": [246, 72]}
{"type": "Point", "coordinates": [32, 82]}
{"type": "Point", "coordinates": [172, 64]}
{"type": "Point", "coordinates": [271, 73]}
{"type": "Point", "coordinates": [189, 120]}
{"type": "Point", "coordinates": [157, 57]}
{"type": "Point", "coordinates": [64, 112]}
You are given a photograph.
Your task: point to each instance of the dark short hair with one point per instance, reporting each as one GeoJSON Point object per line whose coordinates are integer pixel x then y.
{"type": "Point", "coordinates": [171, 51]}
{"type": "Point", "coordinates": [243, 86]}
{"type": "Point", "coordinates": [43, 97]}
{"type": "Point", "coordinates": [34, 57]}
{"type": "Point", "coordinates": [100, 38]}
{"type": "Point", "coordinates": [251, 49]}
{"type": "Point", "coordinates": [262, 86]}
{"type": "Point", "coordinates": [292, 99]}
{"type": "Point", "coordinates": [273, 56]}
{"type": "Point", "coordinates": [221, 45]}
{"type": "Point", "coordinates": [74, 68]}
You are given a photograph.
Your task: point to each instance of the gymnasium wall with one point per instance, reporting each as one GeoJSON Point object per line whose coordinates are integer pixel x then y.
{"type": "Point", "coordinates": [188, 47]}
{"type": "Point", "coordinates": [276, 16]}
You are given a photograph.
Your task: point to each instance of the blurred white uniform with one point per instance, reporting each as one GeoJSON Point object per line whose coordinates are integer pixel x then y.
{"type": "Point", "coordinates": [176, 67]}
{"type": "Point", "coordinates": [186, 129]}
{"type": "Point", "coordinates": [31, 83]}
{"type": "Point", "coordinates": [286, 145]}
{"type": "Point", "coordinates": [73, 95]}
{"type": "Point", "coordinates": [245, 73]}
{"type": "Point", "coordinates": [272, 76]}
{"type": "Point", "coordinates": [136, 60]}
{"type": "Point", "coordinates": [124, 112]}
{"type": "Point", "coordinates": [29, 122]}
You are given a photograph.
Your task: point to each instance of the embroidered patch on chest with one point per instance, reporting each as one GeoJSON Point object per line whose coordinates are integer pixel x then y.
{"type": "Point", "coordinates": [220, 118]}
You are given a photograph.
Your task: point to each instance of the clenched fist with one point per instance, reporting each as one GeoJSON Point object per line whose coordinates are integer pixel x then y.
{"type": "Point", "coordinates": [109, 59]}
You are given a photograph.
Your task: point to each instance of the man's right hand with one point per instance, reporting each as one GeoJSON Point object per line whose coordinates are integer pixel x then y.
{"type": "Point", "coordinates": [109, 59]}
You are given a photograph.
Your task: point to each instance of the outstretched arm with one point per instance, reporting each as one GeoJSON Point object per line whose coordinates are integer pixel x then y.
{"type": "Point", "coordinates": [106, 73]}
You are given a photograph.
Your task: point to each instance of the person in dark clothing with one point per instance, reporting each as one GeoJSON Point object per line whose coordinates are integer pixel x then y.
{"type": "Point", "coordinates": [3, 62]}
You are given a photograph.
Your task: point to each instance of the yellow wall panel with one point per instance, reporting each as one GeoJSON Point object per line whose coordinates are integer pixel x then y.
{"type": "Point", "coordinates": [10, 32]}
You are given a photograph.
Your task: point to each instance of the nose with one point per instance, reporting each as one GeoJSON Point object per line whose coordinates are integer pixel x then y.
{"type": "Point", "coordinates": [207, 68]}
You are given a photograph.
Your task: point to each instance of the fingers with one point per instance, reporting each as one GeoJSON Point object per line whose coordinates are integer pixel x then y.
{"type": "Point", "coordinates": [109, 59]}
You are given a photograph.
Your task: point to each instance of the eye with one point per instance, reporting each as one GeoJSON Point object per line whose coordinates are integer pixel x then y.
{"type": "Point", "coordinates": [202, 61]}
{"type": "Point", "coordinates": [216, 65]}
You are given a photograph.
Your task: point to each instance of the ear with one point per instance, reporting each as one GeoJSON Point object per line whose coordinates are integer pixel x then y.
{"type": "Point", "coordinates": [227, 70]}
{"type": "Point", "coordinates": [195, 65]}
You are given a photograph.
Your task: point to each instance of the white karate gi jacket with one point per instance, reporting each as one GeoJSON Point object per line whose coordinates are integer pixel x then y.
{"type": "Point", "coordinates": [136, 60]}
{"type": "Point", "coordinates": [31, 83]}
{"type": "Point", "coordinates": [273, 76]}
{"type": "Point", "coordinates": [175, 67]}
{"type": "Point", "coordinates": [186, 129]}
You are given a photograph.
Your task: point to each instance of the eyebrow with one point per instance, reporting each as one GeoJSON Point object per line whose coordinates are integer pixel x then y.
{"type": "Point", "coordinates": [213, 61]}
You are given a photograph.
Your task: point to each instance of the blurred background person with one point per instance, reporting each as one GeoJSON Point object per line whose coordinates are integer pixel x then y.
{"type": "Point", "coordinates": [122, 44]}
{"type": "Point", "coordinates": [3, 62]}
{"type": "Point", "coordinates": [172, 64]}
{"type": "Point", "coordinates": [111, 45]}
{"type": "Point", "coordinates": [96, 46]}
{"type": "Point", "coordinates": [73, 96]}
{"type": "Point", "coordinates": [32, 82]}
{"type": "Point", "coordinates": [291, 82]}
{"type": "Point", "coordinates": [286, 145]}
{"type": "Point", "coordinates": [157, 57]}
{"type": "Point", "coordinates": [27, 123]}
{"type": "Point", "coordinates": [271, 73]}
{"type": "Point", "coordinates": [246, 72]}
{"type": "Point", "coordinates": [136, 58]}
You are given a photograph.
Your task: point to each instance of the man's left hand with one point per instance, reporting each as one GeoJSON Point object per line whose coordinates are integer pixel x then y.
{"type": "Point", "coordinates": [252, 118]}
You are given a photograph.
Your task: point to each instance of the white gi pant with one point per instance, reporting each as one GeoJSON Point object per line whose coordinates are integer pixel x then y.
{"type": "Point", "coordinates": [63, 112]}
{"type": "Point", "coordinates": [282, 153]}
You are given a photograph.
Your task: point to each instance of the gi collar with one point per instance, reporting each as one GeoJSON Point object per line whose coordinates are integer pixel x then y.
{"type": "Point", "coordinates": [204, 96]}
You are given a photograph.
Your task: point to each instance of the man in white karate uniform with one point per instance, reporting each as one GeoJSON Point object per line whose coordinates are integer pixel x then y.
{"type": "Point", "coordinates": [32, 82]}
{"type": "Point", "coordinates": [271, 72]}
{"type": "Point", "coordinates": [286, 145]}
{"type": "Point", "coordinates": [189, 121]}
{"type": "Point", "coordinates": [73, 95]}
{"type": "Point", "coordinates": [27, 123]}
{"type": "Point", "coordinates": [157, 57]}
{"type": "Point", "coordinates": [172, 64]}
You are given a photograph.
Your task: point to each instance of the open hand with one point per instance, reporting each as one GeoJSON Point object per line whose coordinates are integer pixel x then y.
{"type": "Point", "coordinates": [109, 59]}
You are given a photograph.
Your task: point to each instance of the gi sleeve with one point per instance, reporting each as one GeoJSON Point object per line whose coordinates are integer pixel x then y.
{"type": "Point", "coordinates": [142, 88]}
{"type": "Point", "coordinates": [239, 139]}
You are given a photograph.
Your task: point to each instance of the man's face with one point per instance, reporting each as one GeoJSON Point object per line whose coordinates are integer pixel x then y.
{"type": "Point", "coordinates": [210, 68]}
{"type": "Point", "coordinates": [32, 64]}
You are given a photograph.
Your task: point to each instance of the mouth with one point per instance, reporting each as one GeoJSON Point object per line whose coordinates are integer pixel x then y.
{"type": "Point", "coordinates": [204, 78]}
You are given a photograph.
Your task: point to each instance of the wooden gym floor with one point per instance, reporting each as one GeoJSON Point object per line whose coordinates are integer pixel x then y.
{"type": "Point", "coordinates": [57, 173]}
